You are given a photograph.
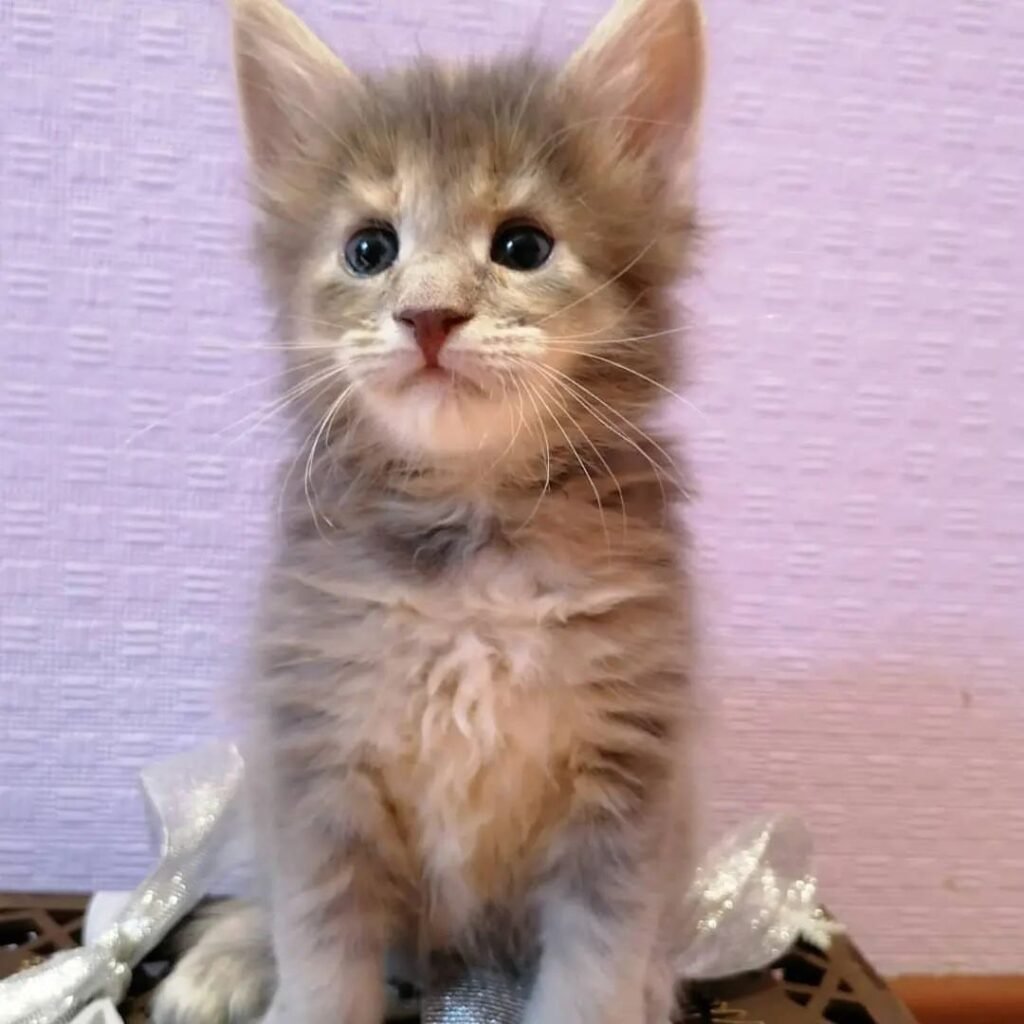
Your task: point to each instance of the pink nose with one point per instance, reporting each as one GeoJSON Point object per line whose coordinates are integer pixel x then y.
{"type": "Point", "coordinates": [431, 328]}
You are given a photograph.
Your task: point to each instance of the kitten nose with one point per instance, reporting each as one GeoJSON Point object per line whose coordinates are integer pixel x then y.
{"type": "Point", "coordinates": [431, 327]}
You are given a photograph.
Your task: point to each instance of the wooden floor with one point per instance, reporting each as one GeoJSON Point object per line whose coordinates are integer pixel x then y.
{"type": "Point", "coordinates": [958, 1000]}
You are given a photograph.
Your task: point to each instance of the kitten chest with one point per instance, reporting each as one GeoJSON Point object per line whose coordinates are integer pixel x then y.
{"type": "Point", "coordinates": [479, 754]}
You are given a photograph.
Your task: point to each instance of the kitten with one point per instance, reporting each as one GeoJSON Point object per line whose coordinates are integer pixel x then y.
{"type": "Point", "coordinates": [470, 686]}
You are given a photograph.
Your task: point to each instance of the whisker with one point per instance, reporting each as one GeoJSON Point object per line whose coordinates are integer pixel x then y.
{"type": "Point", "coordinates": [325, 422]}
{"type": "Point", "coordinates": [314, 393]}
{"type": "Point", "coordinates": [547, 457]}
{"type": "Point", "coordinates": [624, 341]}
{"type": "Point", "coordinates": [636, 373]}
{"type": "Point", "coordinates": [199, 402]}
{"type": "Point", "coordinates": [323, 345]}
{"type": "Point", "coordinates": [336, 325]}
{"type": "Point", "coordinates": [578, 390]}
{"type": "Point", "coordinates": [286, 480]}
{"type": "Point", "coordinates": [278, 405]}
{"type": "Point", "coordinates": [601, 287]}
{"type": "Point", "coordinates": [582, 464]}
{"type": "Point", "coordinates": [519, 428]}
{"type": "Point", "coordinates": [616, 412]}
{"type": "Point", "coordinates": [604, 462]}
{"type": "Point", "coordinates": [639, 297]}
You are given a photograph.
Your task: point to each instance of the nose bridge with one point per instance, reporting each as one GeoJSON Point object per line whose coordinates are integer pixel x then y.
{"type": "Point", "coordinates": [436, 280]}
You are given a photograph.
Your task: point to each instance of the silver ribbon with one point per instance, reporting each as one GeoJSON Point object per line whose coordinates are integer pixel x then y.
{"type": "Point", "coordinates": [478, 996]}
{"type": "Point", "coordinates": [752, 897]}
{"type": "Point", "coordinates": [191, 799]}
{"type": "Point", "coordinates": [750, 900]}
{"type": "Point", "coordinates": [101, 1012]}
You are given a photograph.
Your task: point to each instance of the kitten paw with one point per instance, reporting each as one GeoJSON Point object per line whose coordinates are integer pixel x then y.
{"type": "Point", "coordinates": [227, 977]}
{"type": "Point", "coordinates": [222, 990]}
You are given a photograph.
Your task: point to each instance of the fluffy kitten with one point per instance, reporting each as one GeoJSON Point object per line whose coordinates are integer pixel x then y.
{"type": "Point", "coordinates": [470, 687]}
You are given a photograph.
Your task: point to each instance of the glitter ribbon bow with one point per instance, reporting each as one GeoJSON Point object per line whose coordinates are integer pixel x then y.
{"type": "Point", "coordinates": [192, 800]}
{"type": "Point", "coordinates": [750, 900]}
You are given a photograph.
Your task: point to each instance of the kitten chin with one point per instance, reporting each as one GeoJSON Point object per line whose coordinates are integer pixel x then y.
{"type": "Point", "coordinates": [440, 414]}
{"type": "Point", "coordinates": [469, 683]}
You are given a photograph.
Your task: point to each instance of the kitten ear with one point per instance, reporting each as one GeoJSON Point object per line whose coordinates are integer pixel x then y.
{"type": "Point", "coordinates": [288, 80]}
{"type": "Point", "coordinates": [645, 63]}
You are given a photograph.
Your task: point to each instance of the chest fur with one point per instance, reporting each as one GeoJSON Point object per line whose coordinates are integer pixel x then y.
{"type": "Point", "coordinates": [479, 769]}
{"type": "Point", "coordinates": [484, 718]}
{"type": "Point", "coordinates": [471, 697]}
{"type": "Point", "coordinates": [478, 716]}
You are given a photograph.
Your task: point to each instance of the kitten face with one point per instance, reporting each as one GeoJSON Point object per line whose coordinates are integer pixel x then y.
{"type": "Point", "coordinates": [475, 253]}
{"type": "Point", "coordinates": [455, 169]}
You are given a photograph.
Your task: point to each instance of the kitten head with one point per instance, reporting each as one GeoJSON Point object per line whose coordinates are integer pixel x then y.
{"type": "Point", "coordinates": [469, 259]}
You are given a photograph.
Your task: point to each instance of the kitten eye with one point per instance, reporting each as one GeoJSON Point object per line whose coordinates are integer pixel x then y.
{"type": "Point", "coordinates": [371, 250]}
{"type": "Point", "coordinates": [521, 246]}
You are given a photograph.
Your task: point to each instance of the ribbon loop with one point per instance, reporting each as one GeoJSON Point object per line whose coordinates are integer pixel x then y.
{"type": "Point", "coordinates": [752, 897]}
{"type": "Point", "coordinates": [192, 799]}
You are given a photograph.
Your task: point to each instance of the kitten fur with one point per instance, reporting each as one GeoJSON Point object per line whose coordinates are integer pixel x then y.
{"type": "Point", "coordinates": [469, 690]}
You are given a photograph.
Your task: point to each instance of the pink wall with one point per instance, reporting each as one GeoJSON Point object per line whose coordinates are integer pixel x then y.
{"type": "Point", "coordinates": [861, 448]}
{"type": "Point", "coordinates": [857, 427]}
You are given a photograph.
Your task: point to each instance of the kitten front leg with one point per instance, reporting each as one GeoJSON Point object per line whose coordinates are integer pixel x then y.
{"type": "Point", "coordinates": [597, 935]}
{"type": "Point", "coordinates": [592, 970]}
{"type": "Point", "coordinates": [329, 943]}
{"type": "Point", "coordinates": [603, 896]}
{"type": "Point", "coordinates": [599, 916]}
{"type": "Point", "coordinates": [336, 900]}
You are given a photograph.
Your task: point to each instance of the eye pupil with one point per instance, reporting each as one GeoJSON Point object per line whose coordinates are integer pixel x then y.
{"type": "Point", "coordinates": [371, 250]}
{"type": "Point", "coordinates": [521, 247]}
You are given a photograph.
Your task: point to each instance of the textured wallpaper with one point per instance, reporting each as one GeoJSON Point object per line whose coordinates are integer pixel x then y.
{"type": "Point", "coordinates": [856, 423]}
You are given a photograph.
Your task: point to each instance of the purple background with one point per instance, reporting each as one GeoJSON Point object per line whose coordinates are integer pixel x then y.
{"type": "Point", "coordinates": [858, 430]}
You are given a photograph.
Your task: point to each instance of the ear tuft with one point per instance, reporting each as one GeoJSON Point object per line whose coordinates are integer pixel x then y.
{"type": "Point", "coordinates": [288, 80]}
{"type": "Point", "coordinates": [645, 63]}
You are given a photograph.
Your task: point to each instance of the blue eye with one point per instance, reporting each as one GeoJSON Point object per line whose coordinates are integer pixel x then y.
{"type": "Point", "coordinates": [371, 250]}
{"type": "Point", "coordinates": [521, 246]}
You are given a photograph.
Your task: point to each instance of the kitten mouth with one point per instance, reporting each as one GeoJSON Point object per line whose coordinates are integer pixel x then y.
{"type": "Point", "coordinates": [444, 379]}
{"type": "Point", "coordinates": [438, 375]}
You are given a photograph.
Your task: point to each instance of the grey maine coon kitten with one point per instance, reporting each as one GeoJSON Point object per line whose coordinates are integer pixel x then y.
{"type": "Point", "coordinates": [469, 690]}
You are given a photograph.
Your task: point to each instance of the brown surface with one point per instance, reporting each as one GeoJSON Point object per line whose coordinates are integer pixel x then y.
{"type": "Point", "coordinates": [34, 926]}
{"type": "Point", "coordinates": [954, 1000]}
{"type": "Point", "coordinates": [807, 986]}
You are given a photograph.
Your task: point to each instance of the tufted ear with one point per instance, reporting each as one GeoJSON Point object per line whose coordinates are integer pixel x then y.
{"type": "Point", "coordinates": [645, 64]}
{"type": "Point", "coordinates": [288, 81]}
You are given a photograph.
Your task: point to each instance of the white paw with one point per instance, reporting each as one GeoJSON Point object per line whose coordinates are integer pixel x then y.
{"type": "Point", "coordinates": [219, 988]}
